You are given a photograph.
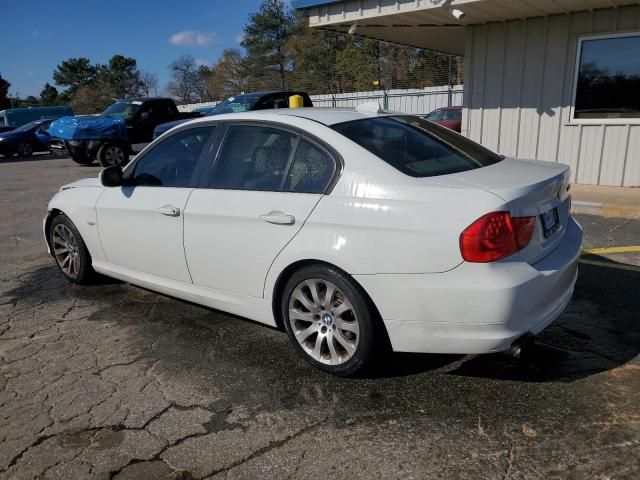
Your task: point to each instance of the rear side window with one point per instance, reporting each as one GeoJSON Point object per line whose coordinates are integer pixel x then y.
{"type": "Point", "coordinates": [311, 171]}
{"type": "Point", "coordinates": [416, 147]}
{"type": "Point", "coordinates": [253, 158]}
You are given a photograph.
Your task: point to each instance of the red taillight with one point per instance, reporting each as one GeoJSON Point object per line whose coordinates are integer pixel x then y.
{"type": "Point", "coordinates": [495, 236]}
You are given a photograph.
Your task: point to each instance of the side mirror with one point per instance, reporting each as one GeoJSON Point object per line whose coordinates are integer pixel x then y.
{"type": "Point", "coordinates": [144, 116]}
{"type": "Point", "coordinates": [111, 176]}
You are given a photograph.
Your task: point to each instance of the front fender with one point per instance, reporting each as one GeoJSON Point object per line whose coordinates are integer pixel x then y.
{"type": "Point", "coordinates": [79, 204]}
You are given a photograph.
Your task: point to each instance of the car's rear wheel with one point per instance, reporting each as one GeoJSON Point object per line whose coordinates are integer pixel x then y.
{"type": "Point", "coordinates": [24, 149]}
{"type": "Point", "coordinates": [69, 250]}
{"type": "Point", "coordinates": [329, 320]}
{"type": "Point", "coordinates": [111, 154]}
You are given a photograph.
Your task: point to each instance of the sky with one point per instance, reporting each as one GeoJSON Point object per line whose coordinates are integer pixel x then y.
{"type": "Point", "coordinates": [42, 33]}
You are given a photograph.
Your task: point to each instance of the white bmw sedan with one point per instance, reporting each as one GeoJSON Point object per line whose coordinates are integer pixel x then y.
{"type": "Point", "coordinates": [351, 230]}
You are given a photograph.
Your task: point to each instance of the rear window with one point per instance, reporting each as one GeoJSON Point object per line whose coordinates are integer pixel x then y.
{"type": "Point", "coordinates": [416, 147]}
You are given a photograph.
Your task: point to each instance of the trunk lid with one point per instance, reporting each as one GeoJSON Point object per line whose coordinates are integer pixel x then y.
{"type": "Point", "coordinates": [530, 189]}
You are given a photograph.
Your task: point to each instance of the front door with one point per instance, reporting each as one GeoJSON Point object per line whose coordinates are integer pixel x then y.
{"type": "Point", "coordinates": [141, 226]}
{"type": "Point", "coordinates": [264, 186]}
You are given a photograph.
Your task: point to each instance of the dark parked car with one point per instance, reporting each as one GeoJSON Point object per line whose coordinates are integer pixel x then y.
{"type": "Point", "coordinates": [450, 117]}
{"type": "Point", "coordinates": [244, 103]}
{"type": "Point", "coordinates": [110, 137]}
{"type": "Point", "coordinates": [24, 140]}
{"type": "Point", "coordinates": [202, 110]}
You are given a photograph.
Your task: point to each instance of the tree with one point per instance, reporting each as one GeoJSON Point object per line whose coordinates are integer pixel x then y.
{"type": "Point", "coordinates": [148, 84]}
{"type": "Point", "coordinates": [5, 102]}
{"type": "Point", "coordinates": [313, 54]}
{"type": "Point", "coordinates": [184, 79]}
{"type": "Point", "coordinates": [228, 76]}
{"type": "Point", "coordinates": [48, 95]}
{"type": "Point", "coordinates": [204, 90]}
{"type": "Point", "coordinates": [89, 100]}
{"type": "Point", "coordinates": [358, 65]}
{"type": "Point", "coordinates": [120, 77]}
{"type": "Point", "coordinates": [30, 101]}
{"type": "Point", "coordinates": [75, 73]}
{"type": "Point", "coordinates": [265, 39]}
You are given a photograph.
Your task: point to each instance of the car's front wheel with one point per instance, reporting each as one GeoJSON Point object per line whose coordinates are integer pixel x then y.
{"type": "Point", "coordinates": [69, 250]}
{"type": "Point", "coordinates": [24, 149]}
{"type": "Point", "coordinates": [329, 320]}
{"type": "Point", "coordinates": [111, 154]}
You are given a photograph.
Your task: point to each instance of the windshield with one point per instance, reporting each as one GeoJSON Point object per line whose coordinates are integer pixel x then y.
{"type": "Point", "coordinates": [27, 126]}
{"type": "Point", "coordinates": [124, 110]}
{"type": "Point", "coordinates": [241, 103]}
{"type": "Point", "coordinates": [416, 147]}
{"type": "Point", "coordinates": [435, 115]}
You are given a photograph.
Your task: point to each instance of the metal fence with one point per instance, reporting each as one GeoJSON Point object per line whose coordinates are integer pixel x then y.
{"type": "Point", "coordinates": [411, 100]}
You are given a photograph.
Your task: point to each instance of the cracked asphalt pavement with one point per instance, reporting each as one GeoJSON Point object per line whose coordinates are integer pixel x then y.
{"type": "Point", "coordinates": [113, 381]}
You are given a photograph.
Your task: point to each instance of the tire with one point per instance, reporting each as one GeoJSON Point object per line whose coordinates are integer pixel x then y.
{"type": "Point", "coordinates": [81, 159]}
{"type": "Point", "coordinates": [341, 351]}
{"type": "Point", "coordinates": [70, 251]}
{"type": "Point", "coordinates": [24, 149]}
{"type": "Point", "coordinates": [111, 154]}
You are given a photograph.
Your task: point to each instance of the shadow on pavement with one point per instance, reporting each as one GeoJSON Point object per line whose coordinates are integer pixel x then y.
{"type": "Point", "coordinates": [598, 331]}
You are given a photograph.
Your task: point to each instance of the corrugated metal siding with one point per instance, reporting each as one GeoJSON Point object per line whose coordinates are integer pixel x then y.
{"type": "Point", "coordinates": [519, 91]}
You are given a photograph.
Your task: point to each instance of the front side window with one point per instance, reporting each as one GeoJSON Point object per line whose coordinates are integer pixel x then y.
{"type": "Point", "coordinates": [253, 158]}
{"type": "Point", "coordinates": [435, 115]}
{"type": "Point", "coordinates": [28, 126]}
{"type": "Point", "coordinates": [172, 162]}
{"type": "Point", "coordinates": [417, 147]}
{"type": "Point", "coordinates": [608, 78]}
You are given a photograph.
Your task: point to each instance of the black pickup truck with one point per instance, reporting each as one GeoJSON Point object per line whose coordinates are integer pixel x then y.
{"type": "Point", "coordinates": [112, 136]}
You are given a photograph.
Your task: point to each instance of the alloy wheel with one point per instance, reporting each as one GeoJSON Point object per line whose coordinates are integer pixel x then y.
{"type": "Point", "coordinates": [25, 149]}
{"type": "Point", "coordinates": [66, 251]}
{"type": "Point", "coordinates": [324, 321]}
{"type": "Point", "coordinates": [114, 155]}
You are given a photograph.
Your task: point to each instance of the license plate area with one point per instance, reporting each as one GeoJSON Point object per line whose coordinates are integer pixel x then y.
{"type": "Point", "coordinates": [550, 222]}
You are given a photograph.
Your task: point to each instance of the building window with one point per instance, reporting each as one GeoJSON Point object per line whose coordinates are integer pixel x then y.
{"type": "Point", "coordinates": [607, 85]}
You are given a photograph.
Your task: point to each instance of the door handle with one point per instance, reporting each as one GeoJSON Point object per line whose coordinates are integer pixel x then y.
{"type": "Point", "coordinates": [169, 210]}
{"type": "Point", "coordinates": [278, 218]}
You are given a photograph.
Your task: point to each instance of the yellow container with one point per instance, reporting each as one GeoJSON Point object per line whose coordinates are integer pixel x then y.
{"type": "Point", "coordinates": [296, 101]}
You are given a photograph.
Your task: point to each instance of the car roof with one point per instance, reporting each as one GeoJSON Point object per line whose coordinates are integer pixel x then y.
{"type": "Point", "coordinates": [326, 116]}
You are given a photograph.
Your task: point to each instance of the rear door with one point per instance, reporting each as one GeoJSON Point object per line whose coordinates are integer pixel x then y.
{"type": "Point", "coordinates": [264, 183]}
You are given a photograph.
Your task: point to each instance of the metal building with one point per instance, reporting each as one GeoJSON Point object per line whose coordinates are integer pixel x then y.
{"type": "Point", "coordinates": [555, 80]}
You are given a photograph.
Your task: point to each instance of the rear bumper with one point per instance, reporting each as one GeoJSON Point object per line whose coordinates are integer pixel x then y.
{"type": "Point", "coordinates": [476, 308]}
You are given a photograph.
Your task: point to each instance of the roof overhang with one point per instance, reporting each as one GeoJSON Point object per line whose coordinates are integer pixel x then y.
{"type": "Point", "coordinates": [429, 24]}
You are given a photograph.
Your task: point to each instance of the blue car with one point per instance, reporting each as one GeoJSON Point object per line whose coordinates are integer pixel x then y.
{"type": "Point", "coordinates": [27, 139]}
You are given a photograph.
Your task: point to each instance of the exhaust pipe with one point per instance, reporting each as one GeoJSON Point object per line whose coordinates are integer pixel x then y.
{"type": "Point", "coordinates": [524, 342]}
